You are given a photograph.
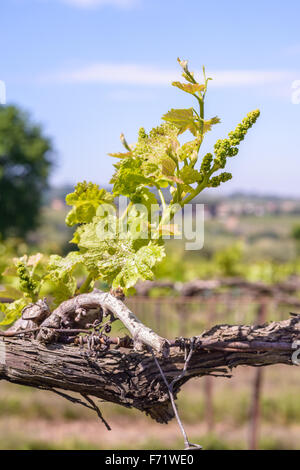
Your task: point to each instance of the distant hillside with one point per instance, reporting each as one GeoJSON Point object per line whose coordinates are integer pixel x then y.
{"type": "Point", "coordinates": [237, 203]}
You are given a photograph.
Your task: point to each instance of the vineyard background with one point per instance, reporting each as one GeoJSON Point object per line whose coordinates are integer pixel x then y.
{"type": "Point", "coordinates": [256, 408]}
{"type": "Point", "coordinates": [77, 73]}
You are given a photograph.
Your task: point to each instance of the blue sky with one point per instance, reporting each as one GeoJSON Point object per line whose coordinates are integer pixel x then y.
{"type": "Point", "coordinates": [91, 69]}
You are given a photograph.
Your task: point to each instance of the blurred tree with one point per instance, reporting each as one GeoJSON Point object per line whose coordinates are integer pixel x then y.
{"type": "Point", "coordinates": [25, 164]}
{"type": "Point", "coordinates": [296, 236]}
{"type": "Point", "coordinates": [296, 232]}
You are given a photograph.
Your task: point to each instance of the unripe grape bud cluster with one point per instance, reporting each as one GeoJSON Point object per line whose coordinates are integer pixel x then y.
{"type": "Point", "coordinates": [206, 163]}
{"type": "Point", "coordinates": [26, 282]}
{"type": "Point", "coordinates": [228, 147]}
{"type": "Point", "coordinates": [217, 180]}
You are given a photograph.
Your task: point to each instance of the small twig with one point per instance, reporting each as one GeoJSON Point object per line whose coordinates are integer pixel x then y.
{"type": "Point", "coordinates": [77, 401]}
{"type": "Point", "coordinates": [97, 409]}
{"type": "Point", "coordinates": [187, 360]}
{"type": "Point", "coordinates": [69, 398]}
{"type": "Point", "coordinates": [18, 333]}
{"type": "Point", "coordinates": [92, 405]}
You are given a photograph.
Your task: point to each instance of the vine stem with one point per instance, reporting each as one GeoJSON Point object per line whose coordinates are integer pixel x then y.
{"type": "Point", "coordinates": [125, 213]}
{"type": "Point", "coordinates": [163, 201]}
{"type": "Point", "coordinates": [86, 284]}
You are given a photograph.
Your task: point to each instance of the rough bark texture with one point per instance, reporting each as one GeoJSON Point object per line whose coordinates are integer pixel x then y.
{"type": "Point", "coordinates": [131, 378]}
{"type": "Point", "coordinates": [94, 304]}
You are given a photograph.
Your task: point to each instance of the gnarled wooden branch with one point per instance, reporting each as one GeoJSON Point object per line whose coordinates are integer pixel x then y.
{"type": "Point", "coordinates": [96, 304]}
{"type": "Point", "coordinates": [131, 378]}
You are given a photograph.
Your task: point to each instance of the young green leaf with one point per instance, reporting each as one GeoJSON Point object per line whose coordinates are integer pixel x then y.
{"type": "Point", "coordinates": [189, 175]}
{"type": "Point", "coordinates": [120, 154]}
{"type": "Point", "coordinates": [60, 275]}
{"type": "Point", "coordinates": [183, 119]}
{"type": "Point", "coordinates": [12, 311]}
{"type": "Point", "coordinates": [85, 200]}
{"type": "Point", "coordinates": [207, 125]}
{"type": "Point", "coordinates": [189, 87]}
{"type": "Point", "coordinates": [139, 266]}
{"type": "Point", "coordinates": [11, 293]}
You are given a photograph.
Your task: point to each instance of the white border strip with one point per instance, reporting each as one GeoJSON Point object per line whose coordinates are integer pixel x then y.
{"type": "Point", "coordinates": [2, 92]}
{"type": "Point", "coordinates": [2, 352]}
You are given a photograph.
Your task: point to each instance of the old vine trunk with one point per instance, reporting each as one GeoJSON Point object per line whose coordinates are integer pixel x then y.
{"type": "Point", "coordinates": [131, 378]}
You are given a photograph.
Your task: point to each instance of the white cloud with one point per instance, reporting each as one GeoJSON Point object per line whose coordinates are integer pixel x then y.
{"type": "Point", "coordinates": [99, 3]}
{"type": "Point", "coordinates": [134, 74]}
{"type": "Point", "coordinates": [129, 74]}
{"type": "Point", "coordinates": [249, 77]}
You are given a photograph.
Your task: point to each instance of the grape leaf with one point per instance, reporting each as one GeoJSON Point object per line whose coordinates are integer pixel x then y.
{"type": "Point", "coordinates": [189, 150]}
{"type": "Point", "coordinates": [120, 154]}
{"type": "Point", "coordinates": [129, 177]}
{"type": "Point", "coordinates": [139, 266]}
{"type": "Point", "coordinates": [189, 87]}
{"type": "Point", "coordinates": [153, 162]}
{"type": "Point", "coordinates": [12, 311]}
{"type": "Point", "coordinates": [116, 258]}
{"type": "Point", "coordinates": [85, 200]}
{"type": "Point", "coordinates": [189, 175]}
{"type": "Point", "coordinates": [60, 275]}
{"type": "Point", "coordinates": [11, 293]}
{"type": "Point", "coordinates": [183, 119]}
{"type": "Point", "coordinates": [207, 125]}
